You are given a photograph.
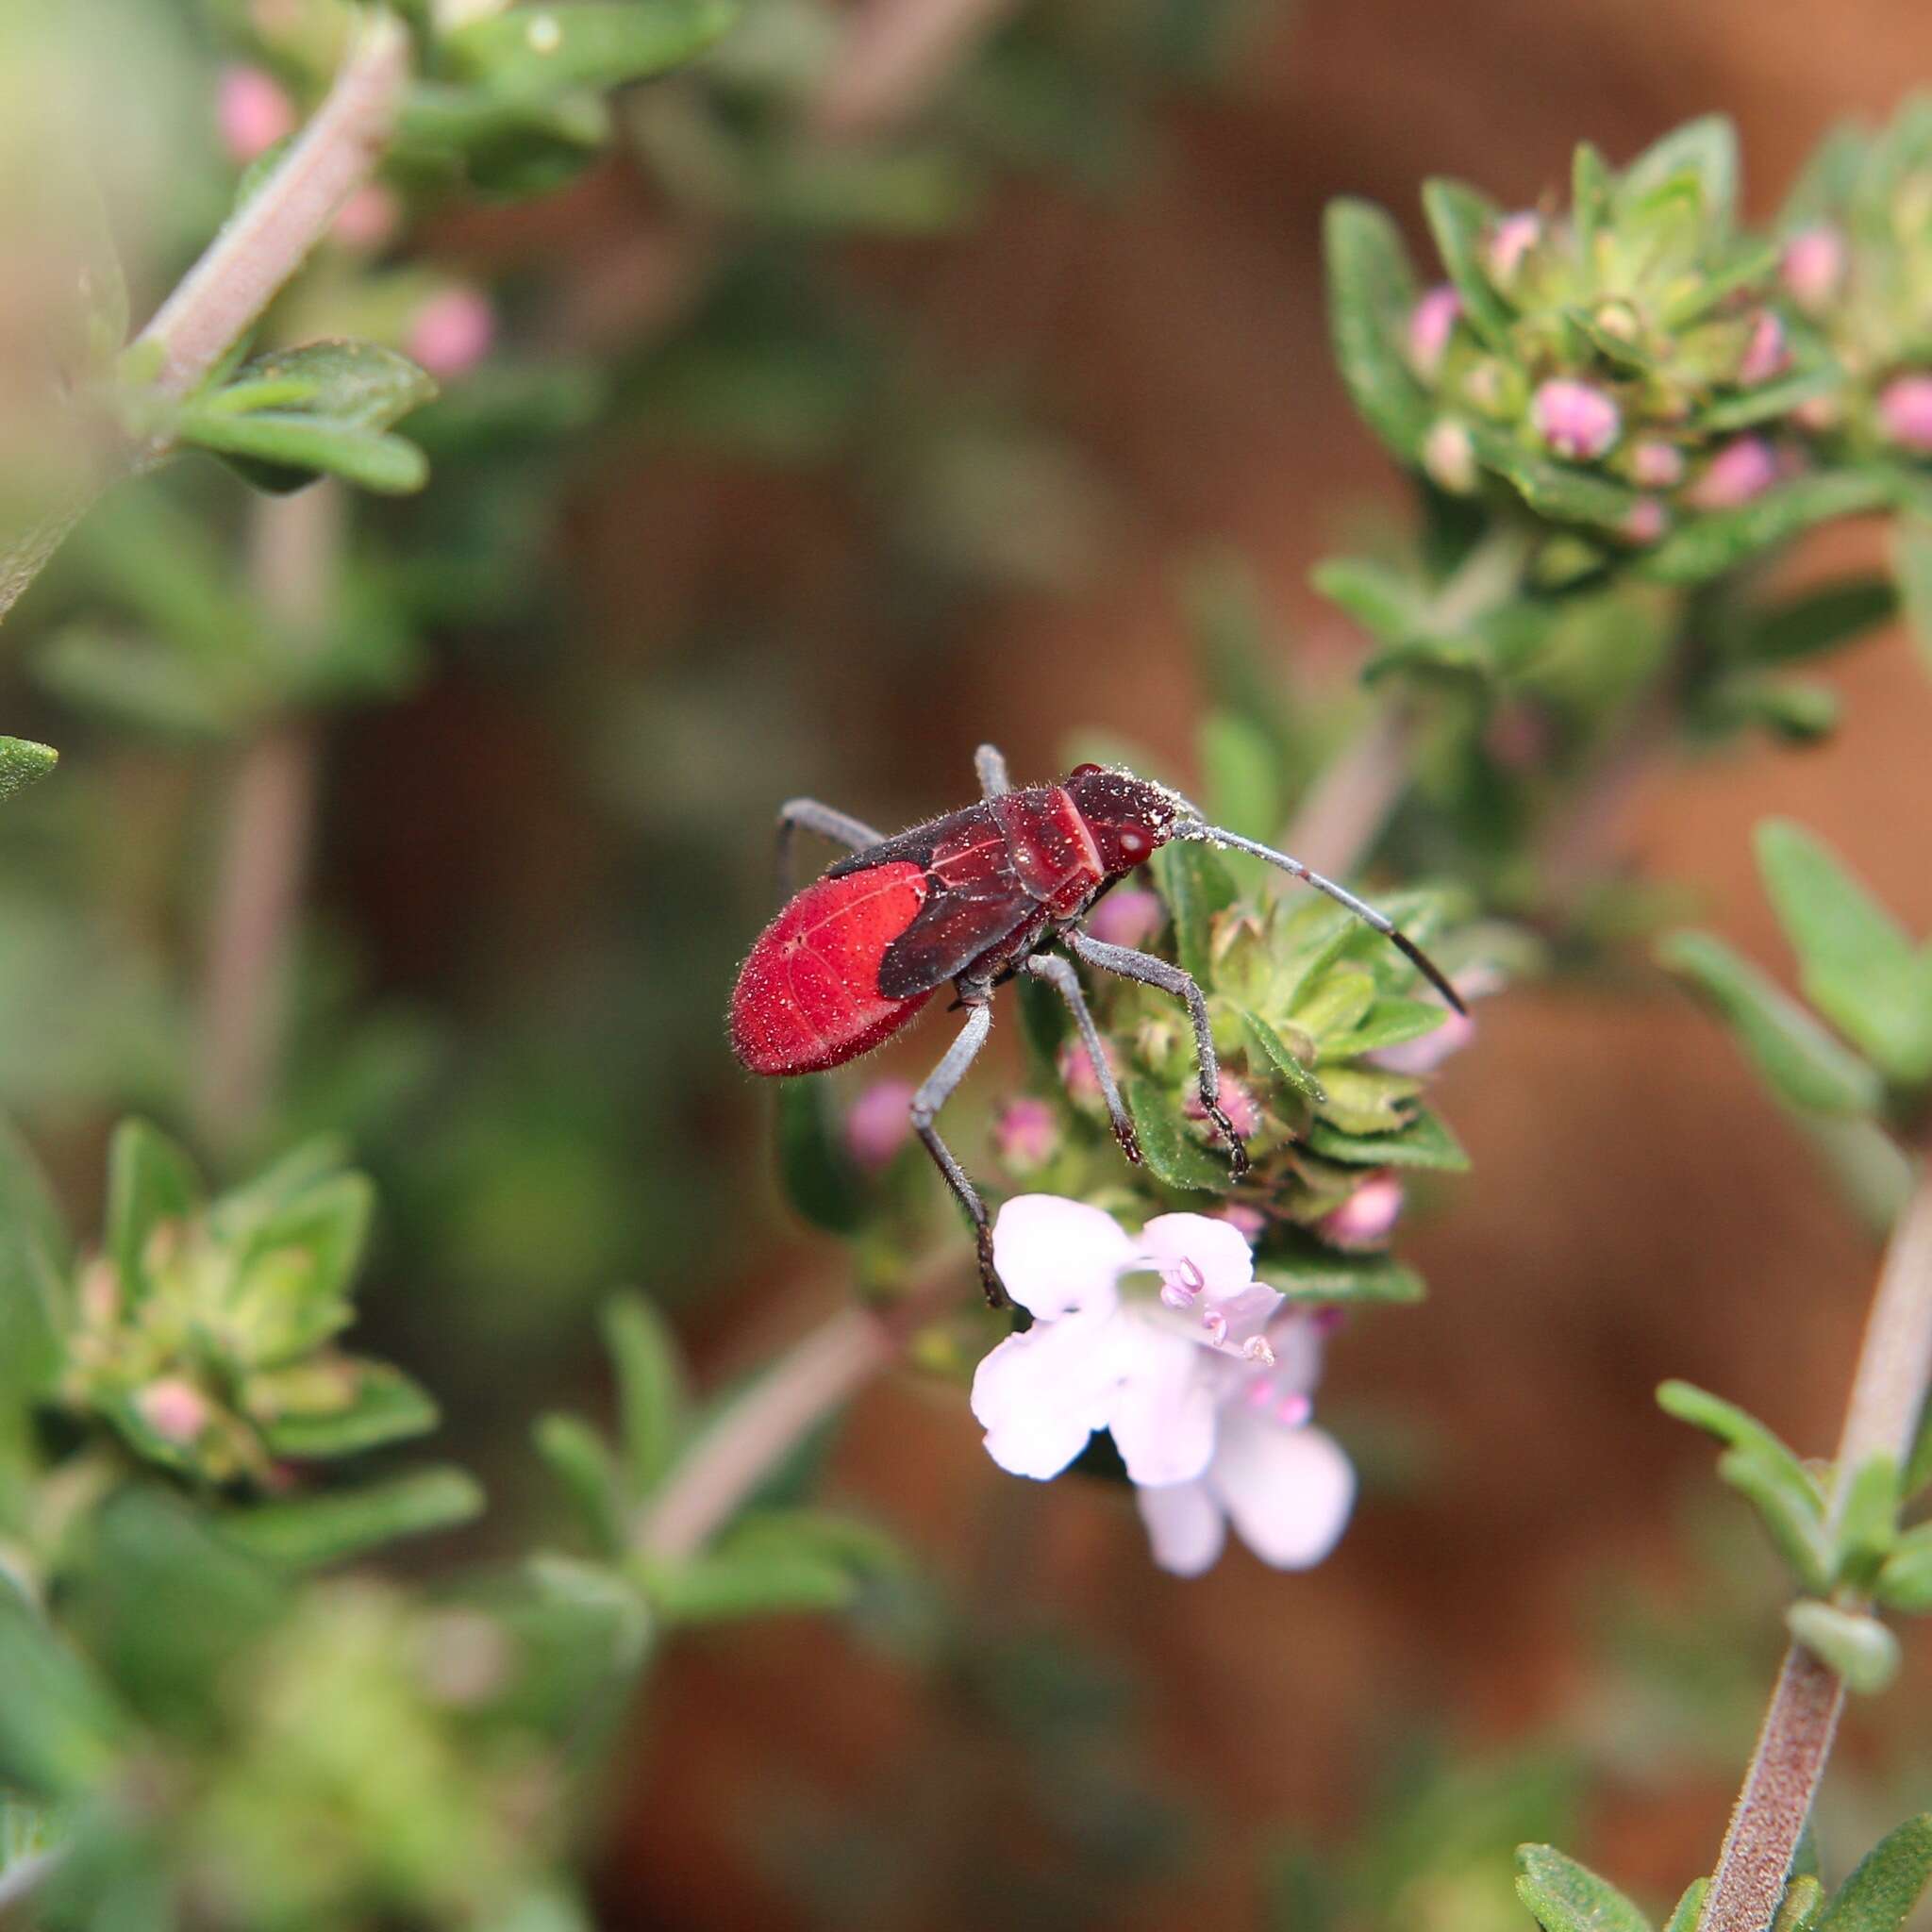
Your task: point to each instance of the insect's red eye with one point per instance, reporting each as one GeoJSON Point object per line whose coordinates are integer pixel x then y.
{"type": "Point", "coordinates": [1133, 844]}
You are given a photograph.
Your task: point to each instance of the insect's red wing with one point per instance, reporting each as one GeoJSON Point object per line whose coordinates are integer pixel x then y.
{"type": "Point", "coordinates": [808, 997]}
{"type": "Point", "coordinates": [975, 901]}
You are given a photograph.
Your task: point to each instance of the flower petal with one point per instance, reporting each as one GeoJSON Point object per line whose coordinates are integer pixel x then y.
{"type": "Point", "coordinates": [1162, 1408]}
{"type": "Point", "coordinates": [1217, 1248]}
{"type": "Point", "coordinates": [1288, 1492]}
{"type": "Point", "coordinates": [1185, 1525]}
{"type": "Point", "coordinates": [1057, 1256]}
{"type": "Point", "coordinates": [1039, 1395]}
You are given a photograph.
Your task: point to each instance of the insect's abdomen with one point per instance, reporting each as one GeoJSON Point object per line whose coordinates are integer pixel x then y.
{"type": "Point", "coordinates": [808, 997]}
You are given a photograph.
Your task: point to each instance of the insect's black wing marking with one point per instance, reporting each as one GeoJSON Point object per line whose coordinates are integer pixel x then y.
{"type": "Point", "coordinates": [919, 843]}
{"type": "Point", "coordinates": [951, 932]}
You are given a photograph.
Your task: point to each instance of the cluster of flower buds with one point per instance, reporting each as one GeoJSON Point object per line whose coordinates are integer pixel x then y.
{"type": "Point", "coordinates": [203, 1332]}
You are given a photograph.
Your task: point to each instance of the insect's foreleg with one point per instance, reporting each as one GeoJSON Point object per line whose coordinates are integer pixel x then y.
{"type": "Point", "coordinates": [990, 763]}
{"type": "Point", "coordinates": [1056, 973]}
{"type": "Point", "coordinates": [841, 828]}
{"type": "Point", "coordinates": [1128, 964]}
{"type": "Point", "coordinates": [926, 1103]}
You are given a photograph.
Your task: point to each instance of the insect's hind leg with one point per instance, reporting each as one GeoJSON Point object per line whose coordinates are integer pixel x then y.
{"type": "Point", "coordinates": [1056, 973]}
{"type": "Point", "coordinates": [1125, 964]}
{"type": "Point", "coordinates": [926, 1103]}
{"type": "Point", "coordinates": [840, 827]}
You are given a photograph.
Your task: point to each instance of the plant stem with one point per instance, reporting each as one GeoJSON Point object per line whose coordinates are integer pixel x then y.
{"type": "Point", "coordinates": [296, 543]}
{"type": "Point", "coordinates": [226, 290]}
{"type": "Point", "coordinates": [1881, 1419]}
{"type": "Point", "coordinates": [897, 54]}
{"type": "Point", "coordinates": [1346, 807]}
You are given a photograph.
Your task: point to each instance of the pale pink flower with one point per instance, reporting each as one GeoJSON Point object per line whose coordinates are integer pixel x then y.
{"type": "Point", "coordinates": [1905, 413]}
{"type": "Point", "coordinates": [1368, 1217]}
{"type": "Point", "coordinates": [452, 332]}
{"type": "Point", "coordinates": [1573, 418]}
{"type": "Point", "coordinates": [879, 1123]}
{"type": "Point", "coordinates": [1431, 322]}
{"type": "Point", "coordinates": [252, 112]}
{"type": "Point", "coordinates": [1428, 1051]}
{"type": "Point", "coordinates": [1814, 267]}
{"type": "Point", "coordinates": [1745, 467]}
{"type": "Point", "coordinates": [1765, 354]}
{"type": "Point", "coordinates": [1127, 917]}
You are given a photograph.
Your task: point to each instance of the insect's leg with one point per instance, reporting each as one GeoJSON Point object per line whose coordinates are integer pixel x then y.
{"type": "Point", "coordinates": [841, 828]}
{"type": "Point", "coordinates": [1128, 964]}
{"type": "Point", "coordinates": [990, 763]}
{"type": "Point", "coordinates": [926, 1103]}
{"type": "Point", "coordinates": [1056, 973]}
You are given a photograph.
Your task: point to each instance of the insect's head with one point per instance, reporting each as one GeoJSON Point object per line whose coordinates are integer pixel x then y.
{"type": "Point", "coordinates": [1128, 817]}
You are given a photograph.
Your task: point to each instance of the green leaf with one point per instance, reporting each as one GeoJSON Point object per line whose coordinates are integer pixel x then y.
{"type": "Point", "coordinates": [1860, 1648]}
{"type": "Point", "coordinates": [1271, 1051]}
{"type": "Point", "coordinates": [1817, 621]}
{"type": "Point", "coordinates": [531, 52]}
{"type": "Point", "coordinates": [1173, 1156]}
{"type": "Point", "coordinates": [1769, 401]}
{"type": "Point", "coordinates": [1307, 1271]}
{"type": "Point", "coordinates": [1906, 1581]}
{"type": "Point", "coordinates": [1564, 493]}
{"type": "Point", "coordinates": [328, 1225]}
{"type": "Point", "coordinates": [1856, 964]}
{"type": "Point", "coordinates": [1460, 221]}
{"type": "Point", "coordinates": [1804, 1898]}
{"type": "Point", "coordinates": [1240, 770]}
{"type": "Point", "coordinates": [821, 1180]}
{"type": "Point", "coordinates": [1867, 1523]}
{"type": "Point", "coordinates": [1391, 1022]}
{"type": "Point", "coordinates": [1685, 1918]}
{"type": "Point", "coordinates": [150, 1182]}
{"type": "Point", "coordinates": [1804, 1065]}
{"type": "Point", "coordinates": [1911, 566]}
{"type": "Point", "coordinates": [1565, 1896]}
{"type": "Point", "coordinates": [1705, 149]}
{"type": "Point", "coordinates": [280, 450]}
{"type": "Point", "coordinates": [651, 1394]}
{"type": "Point", "coordinates": [60, 1726]}
{"type": "Point", "coordinates": [580, 1460]}
{"type": "Point", "coordinates": [1370, 294]}
{"type": "Point", "coordinates": [340, 1525]}
{"type": "Point", "coordinates": [1425, 1142]}
{"type": "Point", "coordinates": [386, 1406]}
{"type": "Point", "coordinates": [772, 1563]}
{"type": "Point", "coordinates": [23, 761]}
{"type": "Point", "coordinates": [1720, 540]}
{"type": "Point", "coordinates": [1383, 600]}
{"type": "Point", "coordinates": [1887, 1884]}
{"type": "Point", "coordinates": [1196, 885]}
{"type": "Point", "coordinates": [144, 685]}
{"type": "Point", "coordinates": [33, 1261]}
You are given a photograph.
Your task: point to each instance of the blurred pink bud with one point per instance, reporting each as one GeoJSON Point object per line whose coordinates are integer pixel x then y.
{"type": "Point", "coordinates": [1251, 1221]}
{"type": "Point", "coordinates": [1237, 1103]}
{"type": "Point", "coordinates": [1519, 736]}
{"type": "Point", "coordinates": [1127, 918]}
{"type": "Point", "coordinates": [1077, 1075]}
{"type": "Point", "coordinates": [1657, 465]}
{"type": "Point", "coordinates": [1026, 1135]}
{"type": "Point", "coordinates": [1818, 415]}
{"type": "Point", "coordinates": [1644, 521]}
{"type": "Point", "coordinates": [1431, 322]}
{"type": "Point", "coordinates": [252, 112]}
{"type": "Point", "coordinates": [1744, 468]}
{"type": "Point", "coordinates": [1367, 1218]}
{"type": "Point", "coordinates": [174, 1409]}
{"type": "Point", "coordinates": [1449, 457]}
{"type": "Point", "coordinates": [1513, 237]}
{"type": "Point", "coordinates": [1573, 418]}
{"type": "Point", "coordinates": [1814, 267]}
{"type": "Point", "coordinates": [1905, 413]}
{"type": "Point", "coordinates": [369, 220]}
{"type": "Point", "coordinates": [1765, 354]}
{"type": "Point", "coordinates": [452, 332]}
{"type": "Point", "coordinates": [879, 1122]}
{"type": "Point", "coordinates": [1428, 1051]}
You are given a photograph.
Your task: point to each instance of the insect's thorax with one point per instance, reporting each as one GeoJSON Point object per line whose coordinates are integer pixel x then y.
{"type": "Point", "coordinates": [1051, 849]}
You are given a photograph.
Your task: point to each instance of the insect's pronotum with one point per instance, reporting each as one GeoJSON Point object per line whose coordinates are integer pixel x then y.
{"type": "Point", "coordinates": [972, 899]}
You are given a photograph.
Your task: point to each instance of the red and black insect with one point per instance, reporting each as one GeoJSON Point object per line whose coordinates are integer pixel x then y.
{"type": "Point", "coordinates": [972, 899]}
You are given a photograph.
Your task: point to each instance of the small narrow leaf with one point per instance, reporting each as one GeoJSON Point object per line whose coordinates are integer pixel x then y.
{"type": "Point", "coordinates": [150, 1182]}
{"type": "Point", "coordinates": [1803, 1900]}
{"type": "Point", "coordinates": [310, 1532]}
{"type": "Point", "coordinates": [1460, 221]}
{"type": "Point", "coordinates": [1565, 1896]}
{"type": "Point", "coordinates": [1194, 884]}
{"type": "Point", "coordinates": [531, 52]}
{"type": "Point", "coordinates": [1720, 540]}
{"type": "Point", "coordinates": [651, 1395]}
{"type": "Point", "coordinates": [1881, 1892]}
{"type": "Point", "coordinates": [1906, 1581]}
{"type": "Point", "coordinates": [1817, 621]}
{"type": "Point", "coordinates": [1172, 1155]}
{"type": "Point", "coordinates": [1867, 1521]}
{"type": "Point", "coordinates": [1425, 1142]}
{"type": "Point", "coordinates": [1274, 1053]}
{"type": "Point", "coordinates": [1685, 1918]}
{"type": "Point", "coordinates": [1706, 150]}
{"type": "Point", "coordinates": [1371, 291]}
{"type": "Point", "coordinates": [23, 761]}
{"type": "Point", "coordinates": [1387, 604]}
{"type": "Point", "coordinates": [821, 1180]}
{"type": "Point", "coordinates": [1306, 1272]}
{"type": "Point", "coordinates": [583, 1465]}
{"type": "Point", "coordinates": [386, 1406]}
{"type": "Point", "coordinates": [1860, 1649]}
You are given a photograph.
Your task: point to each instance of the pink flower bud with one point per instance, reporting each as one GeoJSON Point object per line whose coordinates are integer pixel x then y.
{"type": "Point", "coordinates": [1236, 1102]}
{"type": "Point", "coordinates": [1251, 1221]}
{"type": "Point", "coordinates": [1449, 457]}
{"type": "Point", "coordinates": [1077, 1077]}
{"type": "Point", "coordinates": [1905, 413]}
{"type": "Point", "coordinates": [1431, 322]}
{"type": "Point", "coordinates": [1512, 239]}
{"type": "Point", "coordinates": [1814, 268]}
{"type": "Point", "coordinates": [1427, 1052]}
{"type": "Point", "coordinates": [1519, 736]}
{"type": "Point", "coordinates": [1026, 1135]}
{"type": "Point", "coordinates": [879, 1123]}
{"type": "Point", "coordinates": [1744, 468]}
{"type": "Point", "coordinates": [452, 332]}
{"type": "Point", "coordinates": [1656, 465]}
{"type": "Point", "coordinates": [1127, 917]}
{"type": "Point", "coordinates": [174, 1409]}
{"type": "Point", "coordinates": [1644, 521]}
{"type": "Point", "coordinates": [369, 220]}
{"type": "Point", "coordinates": [1765, 354]}
{"type": "Point", "coordinates": [1573, 418]}
{"type": "Point", "coordinates": [1819, 415]}
{"type": "Point", "coordinates": [252, 112]}
{"type": "Point", "coordinates": [1367, 1218]}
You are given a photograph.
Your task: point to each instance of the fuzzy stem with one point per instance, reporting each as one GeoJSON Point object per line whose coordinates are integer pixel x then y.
{"type": "Point", "coordinates": [1881, 1419]}
{"type": "Point", "coordinates": [1346, 807]}
{"type": "Point", "coordinates": [296, 543]}
{"type": "Point", "coordinates": [226, 290]}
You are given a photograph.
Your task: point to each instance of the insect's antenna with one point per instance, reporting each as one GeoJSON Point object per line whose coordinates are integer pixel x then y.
{"type": "Point", "coordinates": [1380, 921]}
